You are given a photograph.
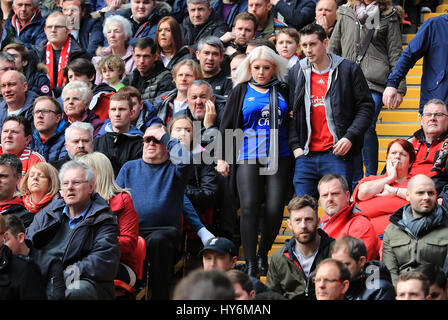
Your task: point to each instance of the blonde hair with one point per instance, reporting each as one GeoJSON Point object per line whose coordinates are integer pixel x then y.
{"type": "Point", "coordinates": [49, 171]}
{"type": "Point", "coordinates": [106, 186]}
{"type": "Point", "coordinates": [265, 53]}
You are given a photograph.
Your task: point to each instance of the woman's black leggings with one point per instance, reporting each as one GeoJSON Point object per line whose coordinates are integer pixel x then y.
{"type": "Point", "coordinates": [254, 190]}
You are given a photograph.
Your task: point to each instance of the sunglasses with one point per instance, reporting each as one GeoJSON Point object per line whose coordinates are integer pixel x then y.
{"type": "Point", "coordinates": [151, 139]}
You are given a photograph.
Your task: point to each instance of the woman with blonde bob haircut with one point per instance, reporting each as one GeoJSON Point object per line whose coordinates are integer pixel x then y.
{"type": "Point", "coordinates": [39, 186]}
{"type": "Point", "coordinates": [262, 161]}
{"type": "Point", "coordinates": [121, 204]}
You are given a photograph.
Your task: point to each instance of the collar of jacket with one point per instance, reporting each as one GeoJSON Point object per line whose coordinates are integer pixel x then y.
{"type": "Point", "coordinates": [5, 256]}
{"type": "Point", "coordinates": [325, 241]}
{"type": "Point", "coordinates": [342, 216]}
{"type": "Point", "coordinates": [397, 216]}
{"type": "Point", "coordinates": [420, 135]}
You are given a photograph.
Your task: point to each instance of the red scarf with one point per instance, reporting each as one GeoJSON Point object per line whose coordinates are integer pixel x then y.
{"type": "Point", "coordinates": [18, 25]}
{"type": "Point", "coordinates": [63, 60]}
{"type": "Point", "coordinates": [35, 207]}
{"type": "Point", "coordinates": [14, 201]}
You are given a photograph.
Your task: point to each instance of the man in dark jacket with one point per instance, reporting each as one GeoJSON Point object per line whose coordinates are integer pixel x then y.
{"type": "Point", "coordinates": [144, 18]}
{"type": "Point", "coordinates": [150, 77]}
{"type": "Point", "coordinates": [293, 266]}
{"type": "Point", "coordinates": [368, 280]}
{"type": "Point", "coordinates": [332, 109]}
{"type": "Point", "coordinates": [202, 21]}
{"type": "Point", "coordinates": [76, 239]}
{"type": "Point", "coordinates": [20, 277]}
{"type": "Point", "coordinates": [27, 22]}
{"type": "Point", "coordinates": [121, 141]}
{"type": "Point", "coordinates": [49, 134]}
{"type": "Point", "coordinates": [236, 7]}
{"type": "Point", "coordinates": [297, 13]}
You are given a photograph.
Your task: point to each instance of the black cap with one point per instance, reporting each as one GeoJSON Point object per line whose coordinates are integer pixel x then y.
{"type": "Point", "coordinates": [220, 245]}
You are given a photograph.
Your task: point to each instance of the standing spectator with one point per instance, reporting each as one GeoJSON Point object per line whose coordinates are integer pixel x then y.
{"type": "Point", "coordinates": [347, 40]}
{"type": "Point", "coordinates": [332, 109]}
{"type": "Point", "coordinates": [85, 29]}
{"type": "Point", "coordinates": [426, 44]}
{"type": "Point", "coordinates": [332, 280]}
{"type": "Point", "coordinates": [341, 218]}
{"type": "Point", "coordinates": [170, 44]}
{"type": "Point", "coordinates": [144, 18]}
{"type": "Point", "coordinates": [210, 54]}
{"type": "Point", "coordinates": [416, 232]}
{"type": "Point", "coordinates": [77, 234]}
{"type": "Point", "coordinates": [26, 63]}
{"type": "Point", "coordinates": [202, 21]}
{"type": "Point", "coordinates": [150, 77]}
{"type": "Point", "coordinates": [229, 9]}
{"type": "Point", "coordinates": [353, 253]}
{"type": "Point", "coordinates": [296, 13]}
{"type": "Point", "coordinates": [258, 106]}
{"type": "Point", "coordinates": [26, 22]}
{"type": "Point", "coordinates": [326, 15]}
{"type": "Point", "coordinates": [48, 136]}
{"type": "Point", "coordinates": [413, 285]}
{"type": "Point", "coordinates": [267, 25]}
{"type": "Point", "coordinates": [118, 31]}
{"type": "Point", "coordinates": [294, 265]}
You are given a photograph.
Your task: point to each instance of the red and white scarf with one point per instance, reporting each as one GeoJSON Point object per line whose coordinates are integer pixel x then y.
{"type": "Point", "coordinates": [18, 25]}
{"type": "Point", "coordinates": [63, 60]}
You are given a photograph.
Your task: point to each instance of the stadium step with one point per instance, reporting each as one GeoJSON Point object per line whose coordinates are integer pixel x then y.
{"type": "Point", "coordinates": [442, 8]}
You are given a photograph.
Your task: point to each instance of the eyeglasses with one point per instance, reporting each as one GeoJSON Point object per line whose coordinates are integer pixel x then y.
{"type": "Point", "coordinates": [75, 183]}
{"type": "Point", "coordinates": [151, 139]}
{"type": "Point", "coordinates": [325, 280]}
{"type": "Point", "coordinates": [55, 27]}
{"type": "Point", "coordinates": [43, 112]}
{"type": "Point", "coordinates": [437, 115]}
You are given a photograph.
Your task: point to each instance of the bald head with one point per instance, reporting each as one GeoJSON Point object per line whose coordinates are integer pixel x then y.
{"type": "Point", "coordinates": [419, 179]}
{"type": "Point", "coordinates": [422, 195]}
{"type": "Point", "coordinates": [13, 87]}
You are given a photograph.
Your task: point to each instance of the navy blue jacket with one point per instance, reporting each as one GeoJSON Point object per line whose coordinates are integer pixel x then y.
{"type": "Point", "coordinates": [27, 110]}
{"type": "Point", "coordinates": [297, 13]}
{"type": "Point", "coordinates": [53, 148]}
{"type": "Point", "coordinates": [144, 29]}
{"type": "Point", "coordinates": [32, 33]}
{"type": "Point", "coordinates": [238, 7]}
{"type": "Point", "coordinates": [429, 44]}
{"type": "Point", "coordinates": [91, 34]}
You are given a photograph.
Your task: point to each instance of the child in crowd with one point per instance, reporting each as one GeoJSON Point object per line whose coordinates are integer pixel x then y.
{"type": "Point", "coordinates": [112, 69]}
{"type": "Point", "coordinates": [287, 44]}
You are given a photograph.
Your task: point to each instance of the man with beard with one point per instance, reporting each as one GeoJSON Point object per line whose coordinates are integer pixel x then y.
{"type": "Point", "coordinates": [294, 265]}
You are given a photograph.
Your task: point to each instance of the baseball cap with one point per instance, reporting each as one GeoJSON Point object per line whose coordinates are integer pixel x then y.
{"type": "Point", "coordinates": [220, 245]}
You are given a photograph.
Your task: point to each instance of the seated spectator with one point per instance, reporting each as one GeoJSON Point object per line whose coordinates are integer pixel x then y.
{"type": "Point", "coordinates": [353, 253]}
{"type": "Point", "coordinates": [340, 218]}
{"type": "Point", "coordinates": [145, 114]}
{"type": "Point", "coordinates": [437, 280]}
{"type": "Point", "coordinates": [76, 96]}
{"type": "Point", "coordinates": [21, 275]}
{"type": "Point", "coordinates": [112, 69]}
{"type": "Point", "coordinates": [268, 25]}
{"type": "Point", "coordinates": [17, 99]}
{"type": "Point", "coordinates": [379, 196]}
{"type": "Point", "coordinates": [150, 77]}
{"type": "Point", "coordinates": [39, 186]}
{"type": "Point", "coordinates": [242, 285]}
{"type": "Point", "coordinates": [169, 43]}
{"type": "Point", "coordinates": [296, 13]}
{"type": "Point", "coordinates": [109, 8]}
{"type": "Point", "coordinates": [48, 136]}
{"type": "Point", "coordinates": [413, 285]}
{"type": "Point", "coordinates": [243, 30]}
{"type": "Point", "coordinates": [234, 64]}
{"type": "Point", "coordinates": [326, 15]}
{"type": "Point", "coordinates": [7, 62]}
{"type": "Point", "coordinates": [118, 31]}
{"type": "Point", "coordinates": [86, 30]}
{"type": "Point", "coordinates": [417, 231]}
{"type": "Point", "coordinates": [58, 50]}
{"type": "Point", "coordinates": [15, 138]}
{"type": "Point", "coordinates": [27, 64]}
{"type": "Point", "coordinates": [78, 142]}
{"type": "Point", "coordinates": [287, 42]}
{"type": "Point", "coordinates": [83, 70]}
{"type": "Point", "coordinates": [7, 36]}
{"type": "Point", "coordinates": [10, 203]}
{"type": "Point", "coordinates": [172, 103]}
{"type": "Point", "coordinates": [120, 203]}
{"type": "Point", "coordinates": [26, 22]}
{"type": "Point", "coordinates": [144, 18]}
{"type": "Point", "coordinates": [77, 234]}
{"type": "Point", "coordinates": [252, 44]}
{"type": "Point", "coordinates": [210, 54]}
{"type": "Point", "coordinates": [121, 141]}
{"type": "Point", "coordinates": [202, 21]}
{"type": "Point", "coordinates": [294, 265]}
{"type": "Point", "coordinates": [332, 280]}
{"type": "Point", "coordinates": [229, 9]}
{"type": "Point", "coordinates": [14, 236]}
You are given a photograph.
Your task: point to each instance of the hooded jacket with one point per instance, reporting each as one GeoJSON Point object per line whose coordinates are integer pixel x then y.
{"type": "Point", "coordinates": [119, 147]}
{"type": "Point", "coordinates": [404, 250]}
{"type": "Point", "coordinates": [355, 224]}
{"type": "Point", "coordinates": [54, 147]}
{"type": "Point", "coordinates": [348, 104]}
{"type": "Point", "coordinates": [285, 274]}
{"type": "Point", "coordinates": [373, 283]}
{"type": "Point", "coordinates": [147, 117]}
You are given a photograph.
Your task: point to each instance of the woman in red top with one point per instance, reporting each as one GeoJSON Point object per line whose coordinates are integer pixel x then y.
{"type": "Point", "coordinates": [380, 196]}
{"type": "Point", "coordinates": [121, 204]}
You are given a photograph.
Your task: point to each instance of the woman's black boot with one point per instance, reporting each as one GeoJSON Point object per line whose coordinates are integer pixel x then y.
{"type": "Point", "coordinates": [252, 267]}
{"type": "Point", "coordinates": [263, 264]}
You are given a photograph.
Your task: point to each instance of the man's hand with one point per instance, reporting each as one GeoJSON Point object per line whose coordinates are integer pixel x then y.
{"type": "Point", "coordinates": [228, 36]}
{"type": "Point", "coordinates": [156, 132]}
{"type": "Point", "coordinates": [390, 98]}
{"type": "Point", "coordinates": [323, 22]}
{"type": "Point", "coordinates": [210, 114]}
{"type": "Point", "coordinates": [342, 147]}
{"type": "Point", "coordinates": [298, 152]}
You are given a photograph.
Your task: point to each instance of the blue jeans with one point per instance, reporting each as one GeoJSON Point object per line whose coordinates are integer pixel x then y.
{"type": "Point", "coordinates": [312, 167]}
{"type": "Point", "coordinates": [370, 148]}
